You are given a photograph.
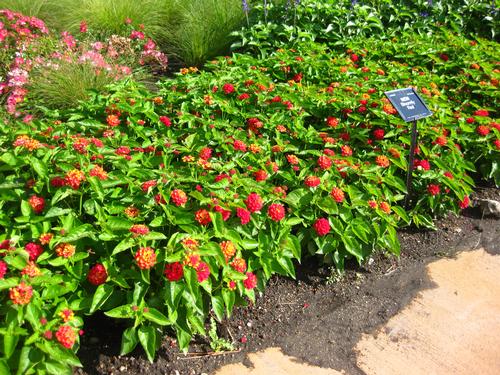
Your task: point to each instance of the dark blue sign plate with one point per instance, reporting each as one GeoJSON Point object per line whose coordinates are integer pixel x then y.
{"type": "Point", "coordinates": [409, 105]}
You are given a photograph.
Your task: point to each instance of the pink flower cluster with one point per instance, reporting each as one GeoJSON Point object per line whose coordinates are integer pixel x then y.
{"type": "Point", "coordinates": [18, 35]}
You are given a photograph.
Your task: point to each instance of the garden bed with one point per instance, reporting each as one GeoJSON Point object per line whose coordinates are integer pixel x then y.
{"type": "Point", "coordinates": [310, 318]}
{"type": "Point", "coordinates": [170, 207]}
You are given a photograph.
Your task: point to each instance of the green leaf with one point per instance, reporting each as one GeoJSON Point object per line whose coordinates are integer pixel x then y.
{"type": "Point", "coordinates": [394, 244]}
{"type": "Point", "coordinates": [102, 293]}
{"type": "Point", "coordinates": [127, 243]}
{"type": "Point", "coordinates": [147, 338]}
{"type": "Point", "coordinates": [58, 353]}
{"type": "Point", "coordinates": [287, 265]}
{"type": "Point", "coordinates": [57, 262]}
{"type": "Point", "coordinates": [129, 341]}
{"type": "Point", "coordinates": [56, 368]}
{"type": "Point", "coordinates": [401, 213]}
{"type": "Point", "coordinates": [10, 341]}
{"type": "Point", "coordinates": [9, 158]}
{"type": "Point", "coordinates": [183, 338]}
{"type": "Point", "coordinates": [25, 208]}
{"type": "Point", "coordinates": [352, 246]}
{"type": "Point", "coordinates": [82, 231]}
{"type": "Point", "coordinates": [157, 222]}
{"type": "Point", "coordinates": [157, 317]}
{"type": "Point", "coordinates": [57, 211]}
{"type": "Point", "coordinates": [359, 228]}
{"type": "Point", "coordinates": [154, 236]}
{"type": "Point", "coordinates": [218, 306]}
{"type": "Point", "coordinates": [120, 312]}
{"type": "Point", "coordinates": [173, 294]}
{"type": "Point", "coordinates": [229, 299]}
{"type": "Point", "coordinates": [39, 167]}
{"type": "Point", "coordinates": [116, 223]}
{"type": "Point", "coordinates": [294, 221]}
{"type": "Point", "coordinates": [33, 314]}
{"type": "Point", "coordinates": [293, 243]}
{"type": "Point", "coordinates": [4, 367]}
{"type": "Point", "coordinates": [29, 356]}
{"type": "Point", "coordinates": [9, 283]}
{"type": "Point", "coordinates": [328, 205]}
{"type": "Point", "coordinates": [249, 244]}
{"type": "Point", "coordinates": [218, 223]}
{"type": "Point", "coordinates": [299, 198]}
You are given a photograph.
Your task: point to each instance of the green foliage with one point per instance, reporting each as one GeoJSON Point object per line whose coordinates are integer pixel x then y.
{"type": "Point", "coordinates": [131, 157]}
{"type": "Point", "coordinates": [166, 208]}
{"type": "Point", "coordinates": [218, 344]}
{"type": "Point", "coordinates": [66, 84]}
{"type": "Point", "coordinates": [333, 22]}
{"type": "Point", "coordinates": [198, 30]}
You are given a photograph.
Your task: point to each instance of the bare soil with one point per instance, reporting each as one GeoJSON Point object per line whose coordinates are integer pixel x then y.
{"type": "Point", "coordinates": [318, 318]}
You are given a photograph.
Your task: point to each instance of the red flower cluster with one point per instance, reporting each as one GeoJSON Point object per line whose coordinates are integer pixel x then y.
{"type": "Point", "coordinates": [202, 216]}
{"type": "Point", "coordinates": [239, 265]}
{"type": "Point", "coordinates": [66, 336]}
{"type": "Point", "coordinates": [378, 134]}
{"type": "Point", "coordinates": [324, 162]}
{"type": "Point", "coordinates": [21, 294]}
{"type": "Point", "coordinates": [3, 269]}
{"type": "Point", "coordinates": [482, 130]}
{"type": "Point", "coordinates": [276, 212]}
{"type": "Point", "coordinates": [433, 189]}
{"type": "Point", "coordinates": [322, 227]}
{"type": "Point", "coordinates": [254, 202]}
{"type": "Point", "coordinates": [98, 172]}
{"type": "Point", "coordinates": [312, 181]}
{"type": "Point", "coordinates": [202, 272]}
{"type": "Point", "coordinates": [382, 161]}
{"type": "Point", "coordinates": [260, 175]}
{"type": "Point", "coordinates": [165, 121]}
{"type": "Point", "coordinates": [228, 88]}
{"type": "Point", "coordinates": [243, 215]}
{"type": "Point", "coordinates": [97, 275]}
{"type": "Point", "coordinates": [34, 250]}
{"type": "Point", "coordinates": [65, 250]}
{"type": "Point", "coordinates": [251, 281]}
{"type": "Point", "coordinates": [37, 203]}
{"type": "Point", "coordinates": [145, 258]}
{"type": "Point", "coordinates": [464, 203]}
{"type": "Point", "coordinates": [148, 184]}
{"type": "Point", "coordinates": [205, 153]}
{"type": "Point", "coordinates": [332, 121]}
{"type": "Point", "coordinates": [337, 194]}
{"type": "Point", "coordinates": [174, 271]}
{"type": "Point", "coordinates": [384, 206]}
{"type": "Point", "coordinates": [228, 249]}
{"type": "Point", "coordinates": [74, 178]}
{"type": "Point", "coordinates": [178, 197]}
{"type": "Point", "coordinates": [139, 230]}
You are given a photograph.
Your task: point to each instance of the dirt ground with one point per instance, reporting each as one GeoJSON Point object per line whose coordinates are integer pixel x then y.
{"type": "Point", "coordinates": [318, 318]}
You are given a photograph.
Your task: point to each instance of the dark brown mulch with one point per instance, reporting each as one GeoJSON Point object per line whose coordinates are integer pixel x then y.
{"type": "Point", "coordinates": [317, 318]}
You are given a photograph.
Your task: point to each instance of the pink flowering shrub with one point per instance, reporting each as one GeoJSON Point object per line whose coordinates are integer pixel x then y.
{"type": "Point", "coordinates": [57, 70]}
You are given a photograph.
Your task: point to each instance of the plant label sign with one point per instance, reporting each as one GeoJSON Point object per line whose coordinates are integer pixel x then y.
{"type": "Point", "coordinates": [408, 103]}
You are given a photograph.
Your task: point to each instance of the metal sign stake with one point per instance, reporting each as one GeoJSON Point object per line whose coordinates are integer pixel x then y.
{"type": "Point", "coordinates": [410, 107]}
{"type": "Point", "coordinates": [411, 160]}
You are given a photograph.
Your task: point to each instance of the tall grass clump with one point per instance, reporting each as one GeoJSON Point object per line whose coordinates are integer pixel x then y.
{"type": "Point", "coordinates": [107, 17]}
{"type": "Point", "coordinates": [197, 30]}
{"type": "Point", "coordinates": [64, 85]}
{"type": "Point", "coordinates": [34, 8]}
